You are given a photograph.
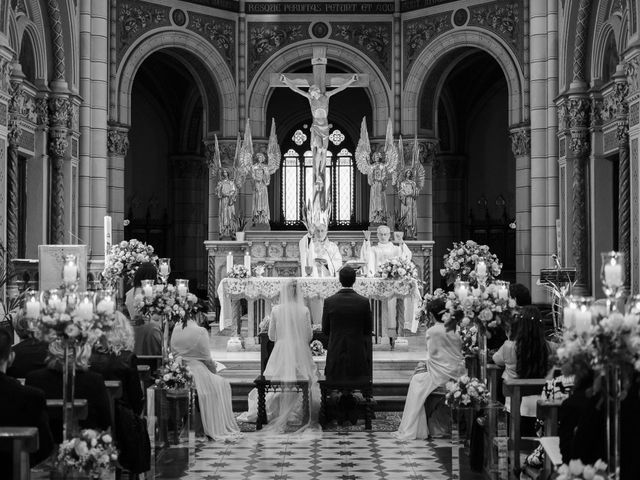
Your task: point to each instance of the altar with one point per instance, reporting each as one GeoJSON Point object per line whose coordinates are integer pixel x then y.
{"type": "Point", "coordinates": [262, 293]}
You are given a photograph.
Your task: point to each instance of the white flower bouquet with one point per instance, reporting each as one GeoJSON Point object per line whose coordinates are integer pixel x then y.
{"type": "Point", "coordinates": [239, 271]}
{"type": "Point", "coordinates": [317, 349]}
{"type": "Point", "coordinates": [124, 258]}
{"type": "Point", "coordinates": [397, 269]}
{"type": "Point", "coordinates": [577, 470]}
{"type": "Point", "coordinates": [174, 375]}
{"type": "Point", "coordinates": [92, 453]}
{"type": "Point", "coordinates": [469, 336]}
{"type": "Point", "coordinates": [467, 392]}
{"type": "Point", "coordinates": [461, 259]}
{"type": "Point", "coordinates": [166, 302]}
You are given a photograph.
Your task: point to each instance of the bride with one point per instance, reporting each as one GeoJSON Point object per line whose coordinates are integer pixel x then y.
{"type": "Point", "coordinates": [290, 360]}
{"type": "Point", "coordinates": [191, 342]}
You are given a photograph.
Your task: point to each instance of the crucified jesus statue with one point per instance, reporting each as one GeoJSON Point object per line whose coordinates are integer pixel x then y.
{"type": "Point", "coordinates": [319, 102]}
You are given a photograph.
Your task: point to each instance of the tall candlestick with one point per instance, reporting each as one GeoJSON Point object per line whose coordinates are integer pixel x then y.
{"type": "Point", "coordinates": [229, 262]}
{"type": "Point", "coordinates": [247, 261]}
{"type": "Point", "coordinates": [147, 288]}
{"type": "Point", "coordinates": [613, 274]}
{"type": "Point", "coordinates": [32, 308]}
{"type": "Point", "coordinates": [69, 273]}
{"type": "Point", "coordinates": [583, 320]}
{"type": "Point", "coordinates": [182, 286]}
{"type": "Point", "coordinates": [107, 236]}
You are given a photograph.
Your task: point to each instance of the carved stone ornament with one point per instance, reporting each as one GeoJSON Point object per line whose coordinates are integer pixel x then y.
{"type": "Point", "coordinates": [521, 142]}
{"type": "Point", "coordinates": [117, 141]}
{"type": "Point", "coordinates": [502, 18]}
{"type": "Point", "coordinates": [73, 122]}
{"type": "Point", "coordinates": [420, 32]}
{"type": "Point", "coordinates": [5, 74]}
{"type": "Point", "coordinates": [579, 108]}
{"type": "Point", "coordinates": [374, 39]}
{"type": "Point", "coordinates": [265, 39]}
{"type": "Point", "coordinates": [633, 74]}
{"type": "Point", "coordinates": [563, 116]}
{"type": "Point", "coordinates": [579, 143]}
{"type": "Point", "coordinates": [14, 133]}
{"type": "Point", "coordinates": [615, 104]}
{"type": "Point", "coordinates": [596, 112]}
{"type": "Point", "coordinates": [58, 145]}
{"type": "Point", "coordinates": [59, 111]}
{"type": "Point", "coordinates": [622, 132]}
{"type": "Point", "coordinates": [42, 111]}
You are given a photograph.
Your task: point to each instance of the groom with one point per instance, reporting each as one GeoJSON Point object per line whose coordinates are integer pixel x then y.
{"type": "Point", "coordinates": [346, 320]}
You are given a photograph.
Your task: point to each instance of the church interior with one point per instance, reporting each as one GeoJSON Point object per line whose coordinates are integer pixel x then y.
{"type": "Point", "coordinates": [434, 196]}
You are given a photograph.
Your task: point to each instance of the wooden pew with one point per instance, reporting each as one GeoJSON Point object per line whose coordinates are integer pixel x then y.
{"type": "Point", "coordinates": [114, 391]}
{"type": "Point", "coordinates": [154, 361]}
{"type": "Point", "coordinates": [20, 441]}
{"type": "Point", "coordinates": [80, 408]}
{"type": "Point", "coordinates": [144, 372]}
{"type": "Point", "coordinates": [516, 389]}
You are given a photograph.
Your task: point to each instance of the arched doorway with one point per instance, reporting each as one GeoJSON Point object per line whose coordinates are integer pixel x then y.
{"type": "Point", "coordinates": [166, 185]}
{"type": "Point", "coordinates": [291, 187]}
{"type": "Point", "coordinates": [474, 194]}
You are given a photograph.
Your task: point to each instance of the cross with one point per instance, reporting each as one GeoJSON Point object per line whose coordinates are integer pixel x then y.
{"type": "Point", "coordinates": [319, 76]}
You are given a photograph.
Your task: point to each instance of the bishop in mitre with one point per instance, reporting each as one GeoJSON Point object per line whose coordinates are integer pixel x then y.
{"type": "Point", "coordinates": [393, 311]}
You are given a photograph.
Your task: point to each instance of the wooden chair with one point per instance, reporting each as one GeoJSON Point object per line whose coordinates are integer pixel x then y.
{"type": "Point", "coordinates": [516, 389]}
{"type": "Point", "coordinates": [263, 384]}
{"type": "Point", "coordinates": [20, 441]}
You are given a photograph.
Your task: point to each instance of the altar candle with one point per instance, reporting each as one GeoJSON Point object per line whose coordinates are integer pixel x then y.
{"type": "Point", "coordinates": [583, 321]}
{"type": "Point", "coordinates": [106, 305]}
{"type": "Point", "coordinates": [182, 289]}
{"type": "Point", "coordinates": [247, 261]}
{"type": "Point", "coordinates": [613, 274]}
{"type": "Point", "coordinates": [229, 262]}
{"type": "Point", "coordinates": [33, 308]}
{"type": "Point", "coordinates": [481, 268]}
{"type": "Point", "coordinates": [147, 290]}
{"type": "Point", "coordinates": [569, 317]}
{"type": "Point", "coordinates": [70, 273]}
{"type": "Point", "coordinates": [85, 309]}
{"type": "Point", "coordinates": [503, 292]}
{"type": "Point", "coordinates": [462, 292]}
{"type": "Point", "coordinates": [164, 269]}
{"type": "Point", "coordinates": [107, 235]}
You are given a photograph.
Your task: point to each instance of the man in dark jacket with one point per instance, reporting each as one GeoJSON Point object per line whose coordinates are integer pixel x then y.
{"type": "Point", "coordinates": [21, 407]}
{"type": "Point", "coordinates": [346, 320]}
{"type": "Point", "coordinates": [30, 353]}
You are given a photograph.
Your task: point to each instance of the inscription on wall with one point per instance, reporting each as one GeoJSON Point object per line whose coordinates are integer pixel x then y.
{"type": "Point", "coordinates": [329, 8]}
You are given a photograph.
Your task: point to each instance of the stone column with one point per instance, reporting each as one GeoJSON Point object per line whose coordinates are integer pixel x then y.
{"type": "Point", "coordinates": [397, 68]}
{"type": "Point", "coordinates": [58, 145]}
{"type": "Point", "coordinates": [521, 147]}
{"type": "Point", "coordinates": [579, 144]}
{"type": "Point", "coordinates": [13, 138]}
{"type": "Point", "coordinates": [633, 101]}
{"type": "Point", "coordinates": [242, 70]}
{"type": "Point", "coordinates": [117, 147]}
{"type": "Point", "coordinates": [624, 169]}
{"type": "Point", "coordinates": [5, 84]}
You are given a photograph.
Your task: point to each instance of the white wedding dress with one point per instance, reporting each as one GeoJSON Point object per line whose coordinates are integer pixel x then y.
{"type": "Point", "coordinates": [444, 362]}
{"type": "Point", "coordinates": [214, 392]}
{"type": "Point", "coordinates": [290, 360]}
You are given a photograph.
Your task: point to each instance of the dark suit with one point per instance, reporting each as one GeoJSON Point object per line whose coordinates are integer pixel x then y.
{"type": "Point", "coordinates": [88, 385]}
{"type": "Point", "coordinates": [123, 367]}
{"type": "Point", "coordinates": [347, 321]}
{"type": "Point", "coordinates": [24, 407]}
{"type": "Point", "coordinates": [30, 356]}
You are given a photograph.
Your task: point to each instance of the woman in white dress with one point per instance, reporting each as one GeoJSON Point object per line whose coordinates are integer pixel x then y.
{"type": "Point", "coordinates": [290, 360]}
{"type": "Point", "coordinates": [444, 362]}
{"type": "Point", "coordinates": [191, 342]}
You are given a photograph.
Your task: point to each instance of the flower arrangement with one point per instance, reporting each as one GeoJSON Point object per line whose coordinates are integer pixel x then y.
{"type": "Point", "coordinates": [397, 269]}
{"type": "Point", "coordinates": [239, 271]}
{"type": "Point", "coordinates": [469, 336]}
{"type": "Point", "coordinates": [174, 375]}
{"type": "Point", "coordinates": [461, 259]}
{"type": "Point", "coordinates": [317, 349]}
{"type": "Point", "coordinates": [467, 392]}
{"type": "Point", "coordinates": [614, 341]}
{"type": "Point", "coordinates": [577, 470]}
{"type": "Point", "coordinates": [166, 302]}
{"type": "Point", "coordinates": [92, 453]}
{"type": "Point", "coordinates": [62, 318]}
{"type": "Point", "coordinates": [124, 259]}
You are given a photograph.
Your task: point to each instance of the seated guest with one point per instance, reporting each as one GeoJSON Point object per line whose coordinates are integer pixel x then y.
{"type": "Point", "coordinates": [497, 335]}
{"type": "Point", "coordinates": [525, 355]}
{"type": "Point", "coordinates": [114, 360]}
{"type": "Point", "coordinates": [444, 362]}
{"type": "Point", "coordinates": [88, 385]}
{"type": "Point", "coordinates": [520, 294]}
{"type": "Point", "coordinates": [30, 353]}
{"type": "Point", "coordinates": [148, 332]}
{"type": "Point", "coordinates": [21, 407]}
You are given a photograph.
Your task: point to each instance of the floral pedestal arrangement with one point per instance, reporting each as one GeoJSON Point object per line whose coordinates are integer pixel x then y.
{"type": "Point", "coordinates": [91, 455]}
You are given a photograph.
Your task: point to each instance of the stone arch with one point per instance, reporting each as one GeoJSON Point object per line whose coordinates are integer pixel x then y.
{"type": "Point", "coordinates": [445, 44]}
{"type": "Point", "coordinates": [607, 22]}
{"type": "Point", "coordinates": [69, 22]}
{"type": "Point", "coordinates": [378, 90]}
{"type": "Point", "coordinates": [39, 50]}
{"type": "Point", "coordinates": [161, 39]}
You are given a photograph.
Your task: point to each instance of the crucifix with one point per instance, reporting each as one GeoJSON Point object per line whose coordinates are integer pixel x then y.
{"type": "Point", "coordinates": [318, 97]}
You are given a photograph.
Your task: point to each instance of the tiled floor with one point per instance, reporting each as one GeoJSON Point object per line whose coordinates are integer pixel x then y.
{"type": "Point", "coordinates": [342, 455]}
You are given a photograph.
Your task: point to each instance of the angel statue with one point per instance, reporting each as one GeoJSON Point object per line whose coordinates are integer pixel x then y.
{"type": "Point", "coordinates": [260, 167]}
{"type": "Point", "coordinates": [226, 190]}
{"type": "Point", "coordinates": [409, 180]}
{"type": "Point", "coordinates": [378, 168]}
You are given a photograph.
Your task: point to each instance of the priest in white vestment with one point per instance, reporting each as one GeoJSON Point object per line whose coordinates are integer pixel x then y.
{"type": "Point", "coordinates": [374, 256]}
{"type": "Point", "coordinates": [319, 253]}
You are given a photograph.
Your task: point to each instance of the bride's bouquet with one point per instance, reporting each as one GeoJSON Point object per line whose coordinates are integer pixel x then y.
{"type": "Point", "coordinates": [174, 375]}
{"type": "Point", "coordinates": [467, 392]}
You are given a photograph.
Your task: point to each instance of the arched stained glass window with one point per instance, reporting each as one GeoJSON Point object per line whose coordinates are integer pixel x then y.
{"type": "Point", "coordinates": [297, 177]}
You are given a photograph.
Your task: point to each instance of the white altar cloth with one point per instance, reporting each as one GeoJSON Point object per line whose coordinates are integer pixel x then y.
{"type": "Point", "coordinates": [268, 288]}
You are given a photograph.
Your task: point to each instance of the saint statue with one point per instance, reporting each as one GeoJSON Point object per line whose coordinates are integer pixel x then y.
{"type": "Point", "coordinates": [226, 190]}
{"type": "Point", "coordinates": [378, 168]}
{"type": "Point", "coordinates": [260, 167]}
{"type": "Point", "coordinates": [319, 103]}
{"type": "Point", "coordinates": [409, 180]}
{"type": "Point", "coordinates": [319, 256]}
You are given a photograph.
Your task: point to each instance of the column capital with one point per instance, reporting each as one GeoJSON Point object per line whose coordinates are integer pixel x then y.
{"type": "Point", "coordinates": [58, 144]}
{"type": "Point", "coordinates": [521, 140]}
{"type": "Point", "coordinates": [14, 133]}
{"type": "Point", "coordinates": [118, 140]}
{"type": "Point", "coordinates": [632, 71]}
{"type": "Point", "coordinates": [59, 108]}
{"type": "Point", "coordinates": [227, 148]}
{"type": "Point", "coordinates": [6, 66]}
{"type": "Point", "coordinates": [427, 149]}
